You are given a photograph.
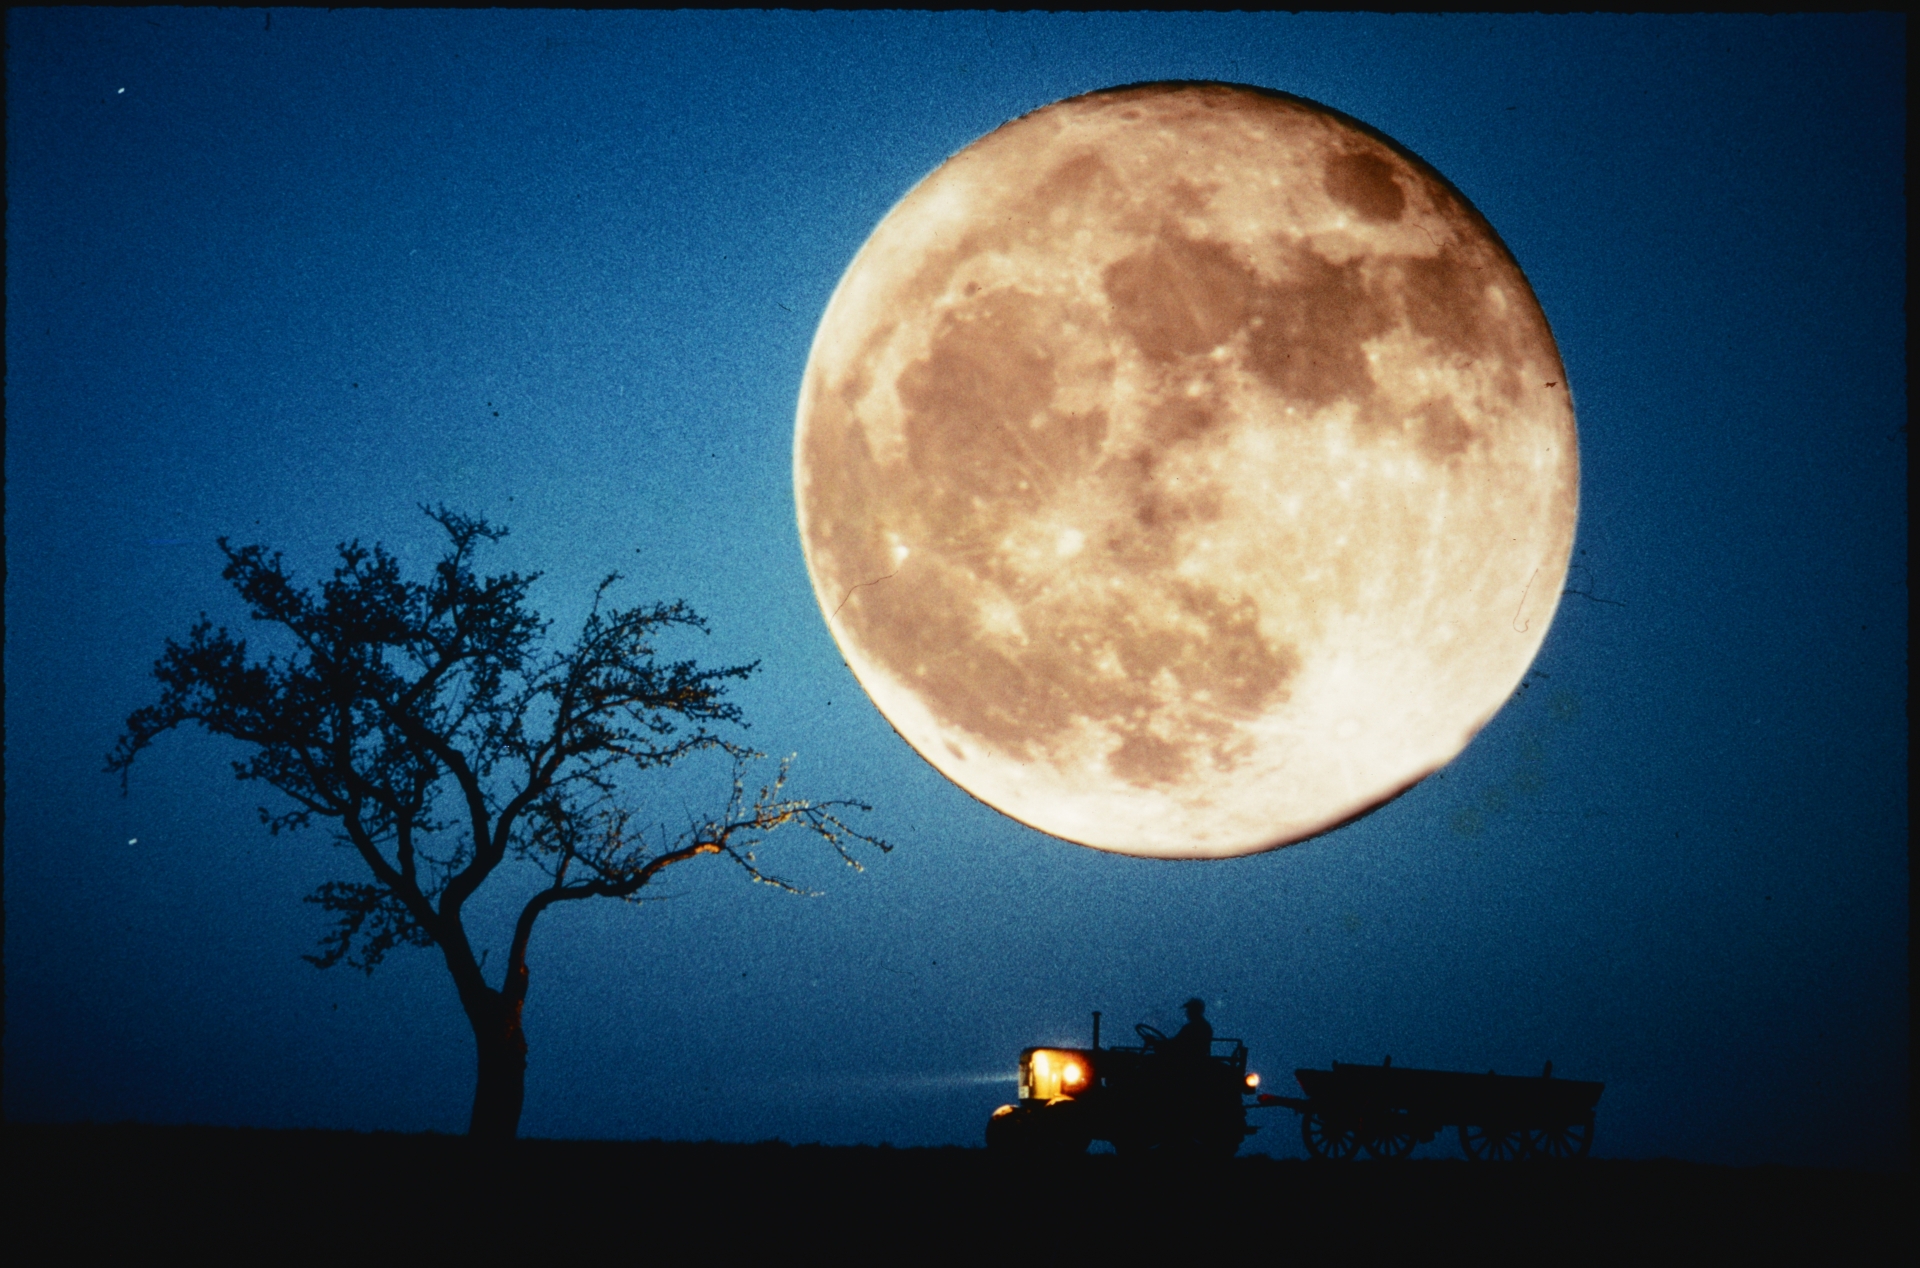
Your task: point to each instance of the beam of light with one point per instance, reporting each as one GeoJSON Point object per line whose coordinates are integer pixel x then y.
{"type": "Point", "coordinates": [900, 1084]}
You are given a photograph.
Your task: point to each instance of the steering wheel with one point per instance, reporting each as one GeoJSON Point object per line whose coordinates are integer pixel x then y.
{"type": "Point", "coordinates": [1150, 1036]}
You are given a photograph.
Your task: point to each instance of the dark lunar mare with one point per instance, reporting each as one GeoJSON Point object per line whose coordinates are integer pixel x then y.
{"type": "Point", "coordinates": [395, 689]}
{"type": "Point", "coordinates": [991, 445]}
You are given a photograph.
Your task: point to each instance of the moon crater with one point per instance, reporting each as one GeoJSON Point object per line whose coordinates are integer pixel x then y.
{"type": "Point", "coordinates": [1171, 469]}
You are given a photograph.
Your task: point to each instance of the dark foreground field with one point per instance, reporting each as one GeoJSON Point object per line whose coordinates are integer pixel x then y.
{"type": "Point", "coordinates": [317, 1194]}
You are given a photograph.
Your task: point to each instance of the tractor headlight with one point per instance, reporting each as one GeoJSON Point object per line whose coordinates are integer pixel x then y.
{"type": "Point", "coordinates": [1253, 1081]}
{"type": "Point", "coordinates": [1047, 1074]}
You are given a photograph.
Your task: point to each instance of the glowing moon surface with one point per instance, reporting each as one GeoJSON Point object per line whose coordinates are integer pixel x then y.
{"type": "Point", "coordinates": [1185, 469]}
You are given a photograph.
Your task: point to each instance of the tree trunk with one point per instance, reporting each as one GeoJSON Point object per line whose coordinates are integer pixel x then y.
{"type": "Point", "coordinates": [502, 1085]}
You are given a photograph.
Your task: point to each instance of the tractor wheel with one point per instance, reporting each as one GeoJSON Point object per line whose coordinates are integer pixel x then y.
{"type": "Point", "coordinates": [1029, 1131]}
{"type": "Point", "coordinates": [1562, 1141]}
{"type": "Point", "coordinates": [1493, 1143]}
{"type": "Point", "coordinates": [1063, 1129]}
{"type": "Point", "coordinates": [1328, 1139]}
{"type": "Point", "coordinates": [1010, 1131]}
{"type": "Point", "coordinates": [1024, 1131]}
{"type": "Point", "coordinates": [1061, 1146]}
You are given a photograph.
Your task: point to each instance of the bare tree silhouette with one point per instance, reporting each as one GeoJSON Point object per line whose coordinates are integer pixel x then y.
{"type": "Point", "coordinates": [431, 724]}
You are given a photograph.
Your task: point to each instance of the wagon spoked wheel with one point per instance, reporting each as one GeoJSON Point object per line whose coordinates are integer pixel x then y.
{"type": "Point", "coordinates": [1327, 1139]}
{"type": "Point", "coordinates": [1492, 1143]}
{"type": "Point", "coordinates": [1391, 1143]}
{"type": "Point", "coordinates": [1562, 1140]}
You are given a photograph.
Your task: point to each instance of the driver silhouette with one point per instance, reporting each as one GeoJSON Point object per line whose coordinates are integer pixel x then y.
{"type": "Point", "coordinates": [1195, 1039]}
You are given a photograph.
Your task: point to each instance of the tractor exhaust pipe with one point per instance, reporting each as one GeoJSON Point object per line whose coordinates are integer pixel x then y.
{"type": "Point", "coordinates": [1096, 1030]}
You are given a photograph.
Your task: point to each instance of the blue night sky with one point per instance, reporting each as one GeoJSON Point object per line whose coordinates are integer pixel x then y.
{"type": "Point", "coordinates": [284, 277]}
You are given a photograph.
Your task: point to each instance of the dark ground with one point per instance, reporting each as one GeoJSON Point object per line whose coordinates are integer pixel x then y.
{"type": "Point", "coordinates": [316, 1194]}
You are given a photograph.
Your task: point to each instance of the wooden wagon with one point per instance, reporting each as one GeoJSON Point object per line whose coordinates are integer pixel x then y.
{"type": "Point", "coordinates": [1385, 1111]}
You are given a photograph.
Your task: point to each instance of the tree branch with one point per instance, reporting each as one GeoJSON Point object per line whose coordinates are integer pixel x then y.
{"type": "Point", "coordinates": [394, 685]}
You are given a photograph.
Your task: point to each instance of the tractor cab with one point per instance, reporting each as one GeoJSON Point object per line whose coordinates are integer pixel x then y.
{"type": "Point", "coordinates": [1144, 1099]}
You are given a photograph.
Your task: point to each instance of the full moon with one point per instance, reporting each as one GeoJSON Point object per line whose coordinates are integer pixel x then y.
{"type": "Point", "coordinates": [1186, 469]}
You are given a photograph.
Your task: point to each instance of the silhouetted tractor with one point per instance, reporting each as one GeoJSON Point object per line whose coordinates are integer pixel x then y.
{"type": "Point", "coordinates": [1150, 1099]}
